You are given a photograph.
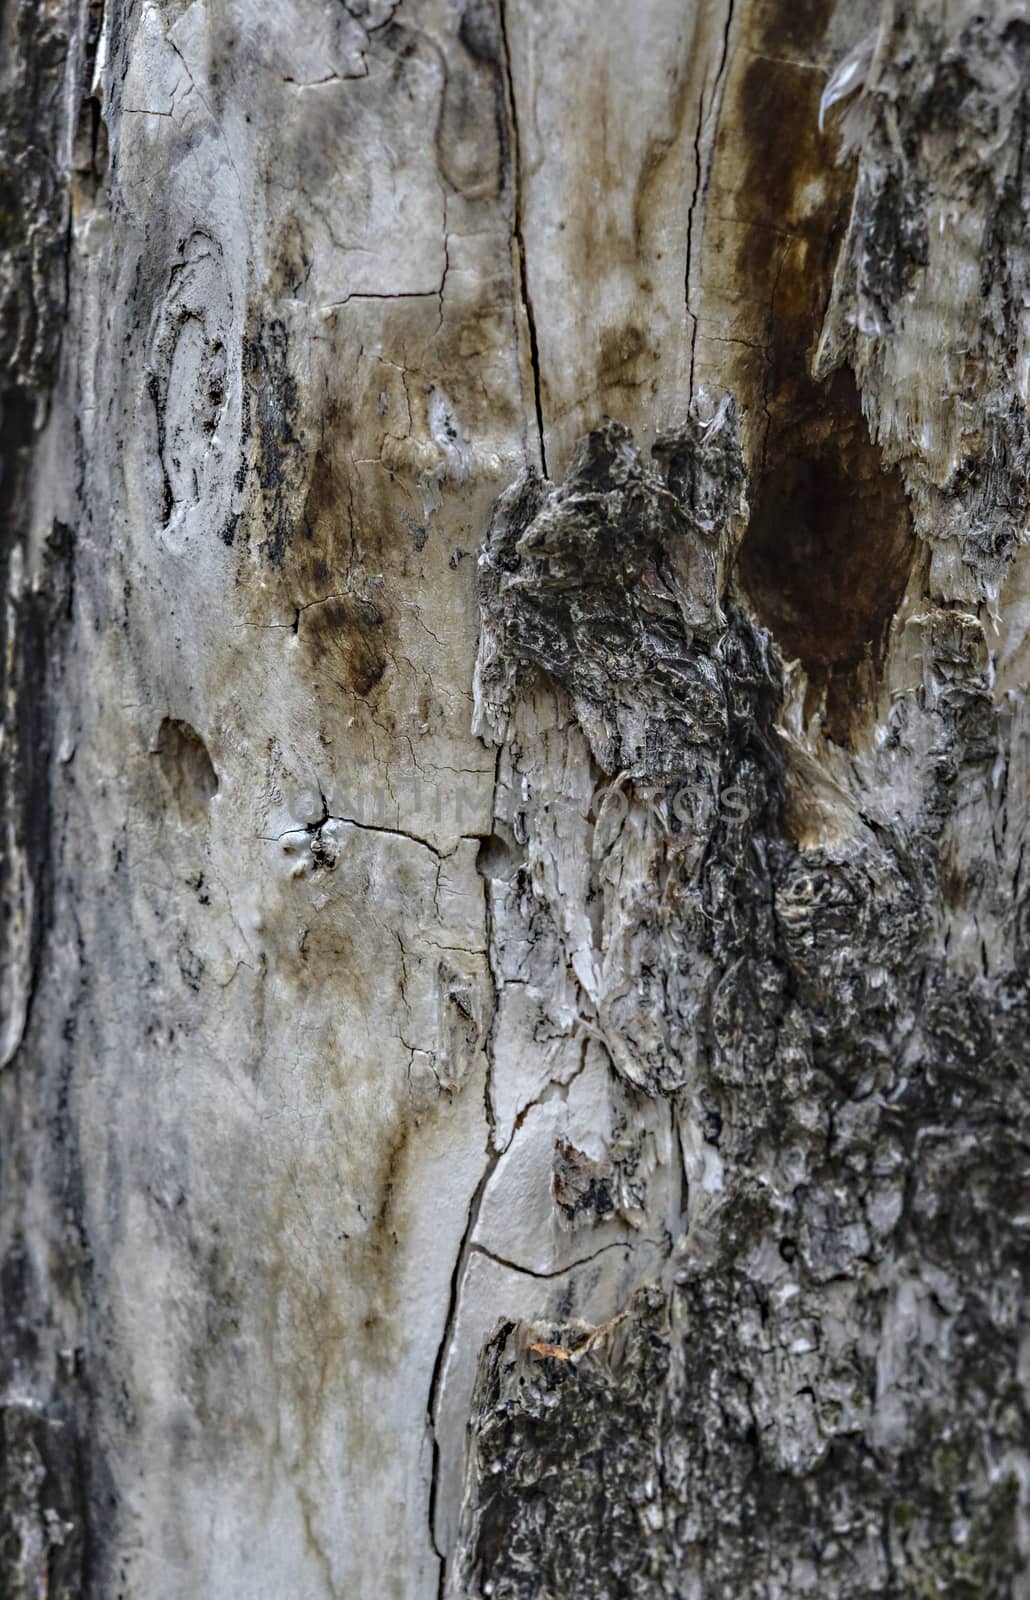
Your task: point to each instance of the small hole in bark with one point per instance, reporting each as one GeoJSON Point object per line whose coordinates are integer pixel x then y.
{"type": "Point", "coordinates": [496, 858]}
{"type": "Point", "coordinates": [186, 766]}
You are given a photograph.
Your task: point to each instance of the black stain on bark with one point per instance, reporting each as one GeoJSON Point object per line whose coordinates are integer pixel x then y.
{"type": "Point", "coordinates": [271, 422]}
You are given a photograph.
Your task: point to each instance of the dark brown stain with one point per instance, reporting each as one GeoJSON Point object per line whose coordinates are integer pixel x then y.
{"type": "Point", "coordinates": [828, 551]}
{"type": "Point", "coordinates": [377, 1309]}
{"type": "Point", "coordinates": [324, 1312]}
{"type": "Point", "coordinates": [356, 550]}
{"type": "Point", "coordinates": [797, 29]}
{"type": "Point", "coordinates": [344, 624]}
{"type": "Point", "coordinates": [626, 357]}
{"type": "Point", "coordinates": [776, 115]}
{"type": "Point", "coordinates": [346, 635]}
{"type": "Point", "coordinates": [383, 1234]}
{"type": "Point", "coordinates": [323, 542]}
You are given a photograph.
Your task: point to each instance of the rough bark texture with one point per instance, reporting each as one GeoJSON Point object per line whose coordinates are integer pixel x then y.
{"type": "Point", "coordinates": [516, 951]}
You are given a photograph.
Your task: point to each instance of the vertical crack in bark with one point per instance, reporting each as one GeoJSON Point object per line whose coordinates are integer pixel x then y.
{"type": "Point", "coordinates": [700, 183]}
{"type": "Point", "coordinates": [493, 1156]}
{"type": "Point", "coordinates": [518, 237]}
{"type": "Point", "coordinates": [691, 313]}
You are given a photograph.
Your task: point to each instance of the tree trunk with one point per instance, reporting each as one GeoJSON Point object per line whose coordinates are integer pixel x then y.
{"type": "Point", "coordinates": [515, 975]}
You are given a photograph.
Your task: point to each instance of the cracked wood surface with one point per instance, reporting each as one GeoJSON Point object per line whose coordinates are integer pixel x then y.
{"type": "Point", "coordinates": [515, 949]}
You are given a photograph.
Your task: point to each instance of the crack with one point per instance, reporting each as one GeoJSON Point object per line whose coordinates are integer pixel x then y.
{"type": "Point", "coordinates": [701, 183]}
{"type": "Point", "coordinates": [518, 238]}
{"type": "Point", "coordinates": [457, 1279]}
{"type": "Point", "coordinates": [376, 27]}
{"type": "Point", "coordinates": [416, 612]}
{"type": "Point", "coordinates": [309, 829]}
{"type": "Point", "coordinates": [446, 269]}
{"type": "Point", "coordinates": [436, 294]}
{"type": "Point", "coordinates": [394, 833]}
{"type": "Point", "coordinates": [225, 982]}
{"type": "Point", "coordinates": [331, 77]}
{"type": "Point", "coordinates": [493, 1156]}
{"type": "Point", "coordinates": [454, 949]}
{"type": "Point", "coordinates": [560, 1272]}
{"type": "Point", "coordinates": [745, 344]}
{"type": "Point", "coordinates": [404, 991]}
{"type": "Point", "coordinates": [397, 294]}
{"type": "Point", "coordinates": [690, 237]}
{"type": "Point", "coordinates": [323, 600]}
{"type": "Point", "coordinates": [554, 1087]}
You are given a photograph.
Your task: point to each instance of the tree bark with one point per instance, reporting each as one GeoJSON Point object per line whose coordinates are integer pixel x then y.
{"type": "Point", "coordinates": [515, 934]}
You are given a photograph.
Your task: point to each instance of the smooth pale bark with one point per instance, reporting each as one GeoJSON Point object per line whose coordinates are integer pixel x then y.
{"type": "Point", "coordinates": [515, 972]}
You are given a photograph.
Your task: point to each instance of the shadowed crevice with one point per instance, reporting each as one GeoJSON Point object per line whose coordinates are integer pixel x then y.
{"type": "Point", "coordinates": [829, 548]}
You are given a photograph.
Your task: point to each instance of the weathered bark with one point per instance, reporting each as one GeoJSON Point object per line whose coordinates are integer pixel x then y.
{"type": "Point", "coordinates": [515, 972]}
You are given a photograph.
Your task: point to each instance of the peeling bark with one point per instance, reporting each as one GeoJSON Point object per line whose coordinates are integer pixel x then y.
{"type": "Point", "coordinates": [515, 941]}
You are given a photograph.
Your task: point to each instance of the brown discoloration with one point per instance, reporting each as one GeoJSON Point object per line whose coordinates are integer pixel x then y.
{"type": "Point", "coordinates": [291, 260]}
{"type": "Point", "coordinates": [789, 201]}
{"type": "Point", "coordinates": [339, 1203]}
{"type": "Point", "coordinates": [828, 552]}
{"type": "Point", "coordinates": [773, 122]}
{"type": "Point", "coordinates": [321, 1269]}
{"type": "Point", "coordinates": [347, 634]}
{"type": "Point", "coordinates": [625, 358]}
{"type": "Point", "coordinates": [400, 465]}
{"type": "Point", "coordinates": [829, 548]}
{"type": "Point", "coordinates": [379, 1319]}
{"type": "Point", "coordinates": [796, 30]}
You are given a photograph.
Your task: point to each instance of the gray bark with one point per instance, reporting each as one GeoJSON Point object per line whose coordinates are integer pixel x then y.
{"type": "Point", "coordinates": [515, 964]}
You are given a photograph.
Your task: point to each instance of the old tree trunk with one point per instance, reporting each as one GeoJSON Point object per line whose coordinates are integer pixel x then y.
{"type": "Point", "coordinates": [515, 763]}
